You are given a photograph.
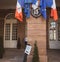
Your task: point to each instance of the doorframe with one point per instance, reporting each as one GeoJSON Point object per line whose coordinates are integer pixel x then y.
{"type": "Point", "coordinates": [5, 21]}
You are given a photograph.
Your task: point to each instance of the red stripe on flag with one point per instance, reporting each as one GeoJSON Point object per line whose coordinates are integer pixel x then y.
{"type": "Point", "coordinates": [54, 14]}
{"type": "Point", "coordinates": [19, 16]}
{"type": "Point", "coordinates": [54, 11]}
{"type": "Point", "coordinates": [18, 13]}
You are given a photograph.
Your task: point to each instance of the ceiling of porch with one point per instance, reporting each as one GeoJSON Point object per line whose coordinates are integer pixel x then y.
{"type": "Point", "coordinates": [7, 4]}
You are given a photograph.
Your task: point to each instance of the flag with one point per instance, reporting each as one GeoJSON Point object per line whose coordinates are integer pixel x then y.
{"type": "Point", "coordinates": [28, 1]}
{"type": "Point", "coordinates": [54, 11]}
{"type": "Point", "coordinates": [18, 13]}
{"type": "Point", "coordinates": [49, 3]}
{"type": "Point", "coordinates": [27, 10]}
{"type": "Point", "coordinates": [35, 4]}
{"type": "Point", "coordinates": [43, 8]}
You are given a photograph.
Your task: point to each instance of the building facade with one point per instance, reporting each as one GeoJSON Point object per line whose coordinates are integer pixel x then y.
{"type": "Point", "coordinates": [45, 32]}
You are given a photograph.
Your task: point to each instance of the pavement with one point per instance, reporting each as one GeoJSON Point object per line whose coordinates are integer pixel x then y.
{"type": "Point", "coordinates": [13, 55]}
{"type": "Point", "coordinates": [54, 55]}
{"type": "Point", "coordinates": [17, 55]}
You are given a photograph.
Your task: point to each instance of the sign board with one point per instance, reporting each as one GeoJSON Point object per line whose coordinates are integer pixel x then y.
{"type": "Point", "coordinates": [28, 49]}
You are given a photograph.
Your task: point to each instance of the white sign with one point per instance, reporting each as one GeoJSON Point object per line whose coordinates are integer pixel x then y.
{"type": "Point", "coordinates": [28, 49]}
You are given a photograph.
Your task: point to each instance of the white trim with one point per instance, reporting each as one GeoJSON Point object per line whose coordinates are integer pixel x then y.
{"type": "Point", "coordinates": [9, 43]}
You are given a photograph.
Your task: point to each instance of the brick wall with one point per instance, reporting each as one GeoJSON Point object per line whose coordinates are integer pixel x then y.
{"type": "Point", "coordinates": [36, 30]}
{"type": "Point", "coordinates": [21, 32]}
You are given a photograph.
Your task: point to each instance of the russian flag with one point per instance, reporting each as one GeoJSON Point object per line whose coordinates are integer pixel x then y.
{"type": "Point", "coordinates": [54, 11]}
{"type": "Point", "coordinates": [18, 13]}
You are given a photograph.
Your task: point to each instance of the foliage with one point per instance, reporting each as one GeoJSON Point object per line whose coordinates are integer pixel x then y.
{"type": "Point", "coordinates": [35, 53]}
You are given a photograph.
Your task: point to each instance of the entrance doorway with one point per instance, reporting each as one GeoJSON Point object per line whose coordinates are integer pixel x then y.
{"type": "Point", "coordinates": [10, 33]}
{"type": "Point", "coordinates": [54, 34]}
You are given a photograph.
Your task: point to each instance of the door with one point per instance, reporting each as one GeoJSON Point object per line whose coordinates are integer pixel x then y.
{"type": "Point", "coordinates": [54, 34]}
{"type": "Point", "coordinates": [10, 33]}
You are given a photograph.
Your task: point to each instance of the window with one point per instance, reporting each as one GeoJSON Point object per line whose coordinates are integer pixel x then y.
{"type": "Point", "coordinates": [52, 31]}
{"type": "Point", "coordinates": [7, 32]}
{"type": "Point", "coordinates": [14, 31]}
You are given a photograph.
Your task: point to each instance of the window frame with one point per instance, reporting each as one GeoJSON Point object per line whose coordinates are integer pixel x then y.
{"type": "Point", "coordinates": [51, 20]}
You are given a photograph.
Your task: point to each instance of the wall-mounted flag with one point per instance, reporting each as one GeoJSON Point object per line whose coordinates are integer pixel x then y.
{"type": "Point", "coordinates": [48, 3]}
{"type": "Point", "coordinates": [38, 9]}
{"type": "Point", "coordinates": [27, 10]}
{"type": "Point", "coordinates": [18, 13]}
{"type": "Point", "coordinates": [43, 8]}
{"type": "Point", "coordinates": [35, 4]}
{"type": "Point", "coordinates": [54, 11]}
{"type": "Point", "coordinates": [28, 1]}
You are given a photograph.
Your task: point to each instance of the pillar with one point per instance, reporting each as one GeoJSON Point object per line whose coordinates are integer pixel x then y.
{"type": "Point", "coordinates": [36, 30]}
